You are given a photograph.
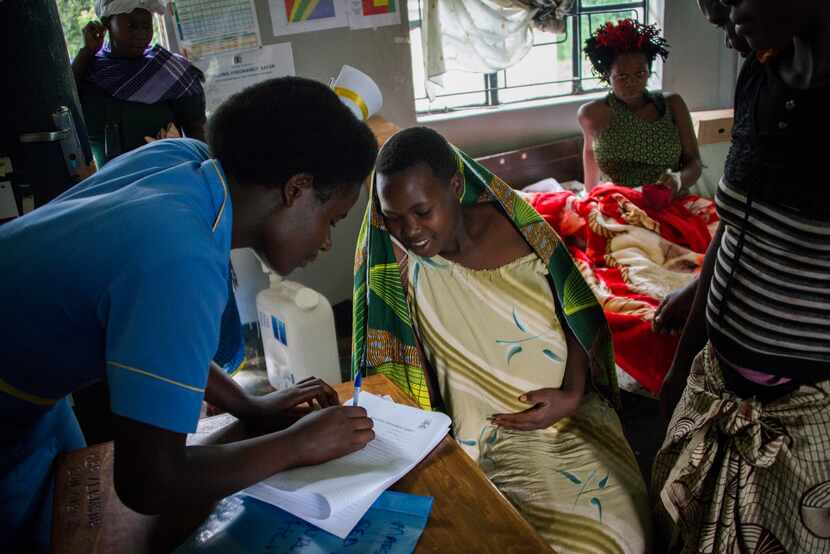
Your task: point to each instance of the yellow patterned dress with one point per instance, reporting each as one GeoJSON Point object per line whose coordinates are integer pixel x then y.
{"type": "Point", "coordinates": [492, 335]}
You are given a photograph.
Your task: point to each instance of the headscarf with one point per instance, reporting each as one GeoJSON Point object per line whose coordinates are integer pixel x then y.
{"type": "Point", "coordinates": [108, 8]}
{"type": "Point", "coordinates": [157, 76]}
{"type": "Point", "coordinates": [384, 339]}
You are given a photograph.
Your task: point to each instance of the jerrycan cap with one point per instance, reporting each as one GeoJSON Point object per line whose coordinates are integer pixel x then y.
{"type": "Point", "coordinates": [306, 299]}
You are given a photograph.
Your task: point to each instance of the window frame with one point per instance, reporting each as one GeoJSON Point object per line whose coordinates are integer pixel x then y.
{"type": "Point", "coordinates": [573, 33]}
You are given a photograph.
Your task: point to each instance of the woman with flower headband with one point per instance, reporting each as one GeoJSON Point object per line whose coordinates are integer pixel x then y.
{"type": "Point", "coordinates": [633, 137]}
{"type": "Point", "coordinates": [637, 235]}
{"type": "Point", "coordinates": [745, 465]}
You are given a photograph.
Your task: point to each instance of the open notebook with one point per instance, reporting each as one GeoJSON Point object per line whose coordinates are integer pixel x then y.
{"type": "Point", "coordinates": [336, 494]}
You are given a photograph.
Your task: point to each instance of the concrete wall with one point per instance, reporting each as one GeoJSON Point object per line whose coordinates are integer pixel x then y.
{"type": "Point", "coordinates": [700, 68]}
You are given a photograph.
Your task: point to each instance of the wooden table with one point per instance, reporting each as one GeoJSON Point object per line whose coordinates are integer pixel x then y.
{"type": "Point", "coordinates": [468, 513]}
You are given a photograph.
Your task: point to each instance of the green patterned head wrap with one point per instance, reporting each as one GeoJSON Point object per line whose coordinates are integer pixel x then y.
{"type": "Point", "coordinates": [384, 339]}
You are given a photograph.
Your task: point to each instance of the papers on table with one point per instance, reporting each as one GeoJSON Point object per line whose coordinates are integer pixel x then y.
{"type": "Point", "coordinates": [241, 525]}
{"type": "Point", "coordinates": [336, 494]}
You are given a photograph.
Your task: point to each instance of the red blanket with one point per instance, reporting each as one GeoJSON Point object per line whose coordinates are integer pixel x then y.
{"type": "Point", "coordinates": [632, 255]}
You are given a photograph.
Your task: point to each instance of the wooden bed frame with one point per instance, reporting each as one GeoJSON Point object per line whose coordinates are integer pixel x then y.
{"type": "Point", "coordinates": [561, 159]}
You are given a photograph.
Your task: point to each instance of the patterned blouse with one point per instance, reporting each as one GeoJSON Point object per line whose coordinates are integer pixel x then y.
{"type": "Point", "coordinates": [633, 151]}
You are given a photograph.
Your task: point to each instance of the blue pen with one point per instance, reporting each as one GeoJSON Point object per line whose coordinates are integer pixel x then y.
{"type": "Point", "coordinates": [356, 388]}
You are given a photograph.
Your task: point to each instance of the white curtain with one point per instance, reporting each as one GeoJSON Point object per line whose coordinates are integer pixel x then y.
{"type": "Point", "coordinates": [482, 36]}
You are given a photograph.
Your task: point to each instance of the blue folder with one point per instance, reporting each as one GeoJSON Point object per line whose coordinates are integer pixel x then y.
{"type": "Point", "coordinates": [241, 524]}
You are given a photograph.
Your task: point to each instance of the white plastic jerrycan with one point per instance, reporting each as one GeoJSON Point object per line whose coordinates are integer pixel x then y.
{"type": "Point", "coordinates": [297, 326]}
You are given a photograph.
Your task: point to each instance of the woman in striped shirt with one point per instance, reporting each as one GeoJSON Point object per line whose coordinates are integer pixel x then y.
{"type": "Point", "coordinates": [748, 445]}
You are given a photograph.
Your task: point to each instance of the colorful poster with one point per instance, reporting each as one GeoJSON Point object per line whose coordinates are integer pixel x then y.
{"type": "Point", "coordinates": [290, 17]}
{"type": "Point", "coordinates": [365, 14]}
{"type": "Point", "coordinates": [304, 10]}
{"type": "Point", "coordinates": [377, 7]}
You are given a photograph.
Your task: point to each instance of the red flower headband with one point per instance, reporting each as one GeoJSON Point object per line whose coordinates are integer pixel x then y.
{"type": "Point", "coordinates": [626, 35]}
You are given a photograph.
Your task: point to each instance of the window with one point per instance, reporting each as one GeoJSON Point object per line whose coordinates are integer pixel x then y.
{"type": "Point", "coordinates": [554, 67]}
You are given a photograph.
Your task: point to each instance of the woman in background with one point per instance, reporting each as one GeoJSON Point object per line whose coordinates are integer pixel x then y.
{"type": "Point", "coordinates": [637, 235]}
{"type": "Point", "coordinates": [131, 91]}
{"type": "Point", "coordinates": [635, 137]}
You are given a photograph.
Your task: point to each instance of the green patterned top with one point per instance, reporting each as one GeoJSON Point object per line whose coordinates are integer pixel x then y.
{"type": "Point", "coordinates": [632, 151]}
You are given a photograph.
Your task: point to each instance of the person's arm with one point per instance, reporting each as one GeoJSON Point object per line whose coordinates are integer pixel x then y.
{"type": "Point", "coordinates": [672, 313]}
{"type": "Point", "coordinates": [189, 115]}
{"type": "Point", "coordinates": [80, 64]}
{"type": "Point", "coordinates": [690, 165]}
{"type": "Point", "coordinates": [93, 41]}
{"type": "Point", "coordinates": [161, 314]}
{"type": "Point", "coordinates": [550, 405]}
{"type": "Point", "coordinates": [591, 171]}
{"type": "Point", "coordinates": [224, 393]}
{"type": "Point", "coordinates": [155, 473]}
{"type": "Point", "coordinates": [269, 412]}
{"type": "Point", "coordinates": [694, 335]}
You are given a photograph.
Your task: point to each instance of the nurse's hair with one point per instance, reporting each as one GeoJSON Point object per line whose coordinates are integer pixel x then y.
{"type": "Point", "coordinates": [627, 36]}
{"type": "Point", "coordinates": [288, 126]}
{"type": "Point", "coordinates": [414, 146]}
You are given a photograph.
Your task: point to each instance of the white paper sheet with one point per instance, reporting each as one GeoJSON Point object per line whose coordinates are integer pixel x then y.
{"type": "Point", "coordinates": [336, 494]}
{"type": "Point", "coordinates": [228, 74]}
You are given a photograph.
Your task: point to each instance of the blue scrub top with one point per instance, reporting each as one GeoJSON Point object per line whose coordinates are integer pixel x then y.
{"type": "Point", "coordinates": [124, 275]}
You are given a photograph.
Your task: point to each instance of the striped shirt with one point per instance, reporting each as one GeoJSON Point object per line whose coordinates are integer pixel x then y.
{"type": "Point", "coordinates": [773, 313]}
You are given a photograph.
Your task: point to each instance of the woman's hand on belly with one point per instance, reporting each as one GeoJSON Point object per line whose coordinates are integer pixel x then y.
{"type": "Point", "coordinates": [547, 407]}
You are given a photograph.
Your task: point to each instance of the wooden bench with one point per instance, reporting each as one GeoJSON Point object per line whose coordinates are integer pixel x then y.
{"type": "Point", "coordinates": [561, 160]}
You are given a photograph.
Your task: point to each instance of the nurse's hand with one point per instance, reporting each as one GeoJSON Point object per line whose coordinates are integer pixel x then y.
{"type": "Point", "coordinates": [280, 409]}
{"type": "Point", "coordinates": [330, 433]}
{"type": "Point", "coordinates": [547, 407]}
